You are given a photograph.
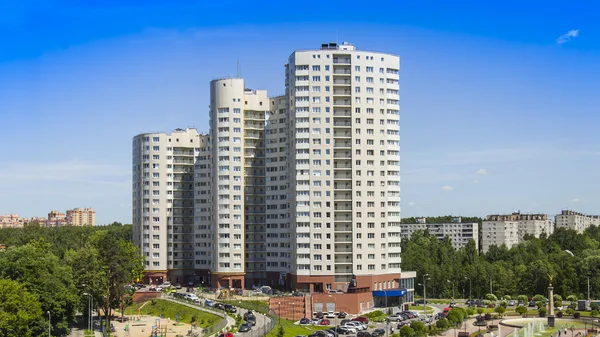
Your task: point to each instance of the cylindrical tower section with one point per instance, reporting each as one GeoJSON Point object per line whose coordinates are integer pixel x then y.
{"type": "Point", "coordinates": [227, 122]}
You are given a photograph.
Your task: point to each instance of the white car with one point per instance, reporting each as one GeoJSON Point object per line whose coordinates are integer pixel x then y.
{"type": "Point", "coordinates": [351, 328]}
{"type": "Point", "coordinates": [315, 321]}
{"type": "Point", "coordinates": [394, 318]}
{"type": "Point", "coordinates": [357, 325]}
{"type": "Point", "coordinates": [331, 314]}
{"type": "Point", "coordinates": [166, 285]}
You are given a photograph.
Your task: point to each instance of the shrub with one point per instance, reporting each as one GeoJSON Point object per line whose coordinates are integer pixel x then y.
{"type": "Point", "coordinates": [487, 317]}
{"type": "Point", "coordinates": [521, 310]}
{"type": "Point", "coordinates": [542, 311]}
{"type": "Point", "coordinates": [572, 298]}
{"type": "Point", "coordinates": [523, 298]}
{"type": "Point", "coordinates": [570, 311]}
{"type": "Point", "coordinates": [594, 306]}
{"type": "Point", "coordinates": [480, 311]}
{"type": "Point", "coordinates": [507, 297]}
{"type": "Point", "coordinates": [539, 304]}
{"type": "Point", "coordinates": [491, 297]}
{"type": "Point", "coordinates": [406, 331]}
{"type": "Point", "coordinates": [594, 313]}
{"type": "Point", "coordinates": [500, 309]}
{"type": "Point", "coordinates": [442, 323]}
{"type": "Point", "coordinates": [470, 311]}
{"type": "Point", "coordinates": [539, 298]}
{"type": "Point", "coordinates": [576, 314]}
{"type": "Point", "coordinates": [559, 314]}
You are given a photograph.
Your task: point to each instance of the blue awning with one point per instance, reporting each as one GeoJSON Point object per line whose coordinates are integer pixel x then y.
{"type": "Point", "coordinates": [389, 293]}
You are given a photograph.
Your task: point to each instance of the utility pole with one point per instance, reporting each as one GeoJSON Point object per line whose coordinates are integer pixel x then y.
{"type": "Point", "coordinates": [424, 296]}
{"type": "Point", "coordinates": [491, 289]}
{"type": "Point", "coordinates": [589, 289]}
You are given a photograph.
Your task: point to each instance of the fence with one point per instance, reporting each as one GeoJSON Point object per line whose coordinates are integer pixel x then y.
{"type": "Point", "coordinates": [270, 319]}
{"type": "Point", "coordinates": [213, 329]}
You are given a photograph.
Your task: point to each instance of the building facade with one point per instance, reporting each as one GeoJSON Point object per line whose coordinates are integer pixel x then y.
{"type": "Point", "coordinates": [81, 217]}
{"type": "Point", "coordinates": [460, 233]}
{"type": "Point", "coordinates": [510, 229]}
{"type": "Point", "coordinates": [576, 221]}
{"type": "Point", "coordinates": [163, 201]}
{"type": "Point", "coordinates": [300, 191]}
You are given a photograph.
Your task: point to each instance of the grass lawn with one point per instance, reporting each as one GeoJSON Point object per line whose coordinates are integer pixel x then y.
{"type": "Point", "coordinates": [291, 330]}
{"type": "Point", "coordinates": [169, 309]}
{"type": "Point", "coordinates": [258, 306]}
{"type": "Point", "coordinates": [89, 333]}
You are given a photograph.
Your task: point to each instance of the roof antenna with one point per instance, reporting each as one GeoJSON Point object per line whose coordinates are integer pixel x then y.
{"type": "Point", "coordinates": [238, 69]}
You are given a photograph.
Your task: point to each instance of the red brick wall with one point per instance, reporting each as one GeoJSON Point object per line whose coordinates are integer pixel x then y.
{"type": "Point", "coordinates": [141, 296]}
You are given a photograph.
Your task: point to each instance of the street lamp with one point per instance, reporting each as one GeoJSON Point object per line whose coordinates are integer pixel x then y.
{"type": "Point", "coordinates": [90, 300]}
{"type": "Point", "coordinates": [293, 312]}
{"type": "Point", "coordinates": [466, 278]}
{"type": "Point", "coordinates": [48, 312]}
{"type": "Point", "coordinates": [279, 313]}
{"type": "Point", "coordinates": [452, 288]}
{"type": "Point", "coordinates": [425, 295]}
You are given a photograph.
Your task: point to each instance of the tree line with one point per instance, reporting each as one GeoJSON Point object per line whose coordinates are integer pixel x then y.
{"type": "Point", "coordinates": [46, 274]}
{"type": "Point", "coordinates": [571, 259]}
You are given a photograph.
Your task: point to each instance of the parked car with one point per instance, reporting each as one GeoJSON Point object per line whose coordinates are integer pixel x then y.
{"type": "Point", "coordinates": [331, 314]}
{"type": "Point", "coordinates": [304, 321]}
{"type": "Point", "coordinates": [452, 305]}
{"type": "Point", "coordinates": [324, 322]}
{"type": "Point", "coordinates": [420, 302]}
{"type": "Point", "coordinates": [351, 329]}
{"type": "Point", "coordinates": [315, 321]}
{"type": "Point", "coordinates": [230, 308]}
{"type": "Point", "coordinates": [219, 306]}
{"type": "Point", "coordinates": [394, 318]}
{"type": "Point", "coordinates": [249, 313]}
{"type": "Point", "coordinates": [342, 314]}
{"type": "Point", "coordinates": [401, 324]}
{"type": "Point", "coordinates": [226, 334]}
{"type": "Point", "coordinates": [209, 303]}
{"type": "Point", "coordinates": [531, 303]}
{"type": "Point", "coordinates": [319, 315]}
{"type": "Point", "coordinates": [342, 330]}
{"type": "Point", "coordinates": [178, 286]}
{"type": "Point", "coordinates": [361, 319]}
{"type": "Point", "coordinates": [245, 327]}
{"type": "Point", "coordinates": [511, 303]}
{"type": "Point", "coordinates": [378, 332]}
{"type": "Point", "coordinates": [363, 334]}
{"type": "Point", "coordinates": [251, 320]}
{"type": "Point", "coordinates": [166, 285]}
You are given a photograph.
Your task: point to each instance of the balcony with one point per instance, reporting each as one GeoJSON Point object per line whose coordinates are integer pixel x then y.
{"type": "Point", "coordinates": [342, 82]}
{"type": "Point", "coordinates": [343, 238]}
{"type": "Point", "coordinates": [342, 71]}
{"type": "Point", "coordinates": [343, 228]}
{"type": "Point", "coordinates": [341, 60]}
{"type": "Point", "coordinates": [343, 270]}
{"type": "Point", "coordinates": [342, 217]}
{"type": "Point", "coordinates": [342, 176]}
{"type": "Point", "coordinates": [342, 187]}
{"type": "Point", "coordinates": [340, 102]}
{"type": "Point", "coordinates": [341, 113]}
{"type": "Point", "coordinates": [342, 134]}
{"type": "Point", "coordinates": [343, 250]}
{"type": "Point", "coordinates": [342, 92]}
{"type": "Point", "coordinates": [342, 196]}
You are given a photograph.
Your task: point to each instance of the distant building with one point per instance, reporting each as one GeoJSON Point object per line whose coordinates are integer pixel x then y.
{"type": "Point", "coordinates": [459, 232]}
{"type": "Point", "coordinates": [576, 221]}
{"type": "Point", "coordinates": [81, 217]}
{"type": "Point", "coordinates": [55, 219]}
{"type": "Point", "coordinates": [510, 229]}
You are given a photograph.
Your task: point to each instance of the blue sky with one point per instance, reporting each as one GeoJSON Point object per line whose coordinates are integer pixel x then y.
{"type": "Point", "coordinates": [499, 101]}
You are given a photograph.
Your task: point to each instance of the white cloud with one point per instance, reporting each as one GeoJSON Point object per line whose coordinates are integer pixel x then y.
{"type": "Point", "coordinates": [411, 203]}
{"type": "Point", "coordinates": [568, 37]}
{"type": "Point", "coordinates": [447, 188]}
{"type": "Point", "coordinates": [65, 171]}
{"type": "Point", "coordinates": [481, 172]}
{"type": "Point", "coordinates": [475, 181]}
{"type": "Point", "coordinates": [575, 200]}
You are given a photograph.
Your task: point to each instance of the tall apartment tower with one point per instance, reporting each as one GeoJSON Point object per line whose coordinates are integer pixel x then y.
{"type": "Point", "coordinates": [163, 202]}
{"type": "Point", "coordinates": [237, 121]}
{"type": "Point", "coordinates": [345, 181]}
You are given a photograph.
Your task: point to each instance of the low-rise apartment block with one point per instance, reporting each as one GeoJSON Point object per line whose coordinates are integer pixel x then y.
{"type": "Point", "coordinates": [81, 217]}
{"type": "Point", "coordinates": [460, 233]}
{"type": "Point", "coordinates": [576, 221]}
{"type": "Point", "coordinates": [509, 229]}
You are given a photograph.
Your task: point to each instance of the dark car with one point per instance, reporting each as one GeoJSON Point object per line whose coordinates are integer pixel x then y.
{"type": "Point", "coordinates": [420, 302]}
{"type": "Point", "coordinates": [304, 321]}
{"type": "Point", "coordinates": [249, 314]}
{"type": "Point", "coordinates": [230, 308]}
{"type": "Point", "coordinates": [342, 315]}
{"type": "Point", "coordinates": [452, 305]}
{"type": "Point", "coordinates": [251, 320]}
{"type": "Point", "coordinates": [344, 321]}
{"type": "Point", "coordinates": [401, 324]}
{"type": "Point", "coordinates": [532, 303]}
{"type": "Point", "coordinates": [319, 315]}
{"type": "Point", "coordinates": [245, 327]}
{"type": "Point", "coordinates": [343, 331]}
{"type": "Point", "coordinates": [219, 306]}
{"type": "Point", "coordinates": [363, 334]}
{"type": "Point", "coordinates": [378, 332]}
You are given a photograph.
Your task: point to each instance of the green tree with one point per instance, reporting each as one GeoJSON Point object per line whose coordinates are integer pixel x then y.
{"type": "Point", "coordinates": [121, 265]}
{"type": "Point", "coordinates": [20, 311]}
{"type": "Point", "coordinates": [572, 298]}
{"type": "Point", "coordinates": [480, 311]}
{"type": "Point", "coordinates": [442, 324]}
{"type": "Point", "coordinates": [419, 328]}
{"type": "Point", "coordinates": [43, 275]}
{"type": "Point", "coordinates": [522, 298]}
{"type": "Point", "coordinates": [594, 313]}
{"type": "Point", "coordinates": [406, 331]}
{"type": "Point", "coordinates": [280, 331]}
{"type": "Point", "coordinates": [521, 310]}
{"type": "Point", "coordinates": [500, 310]}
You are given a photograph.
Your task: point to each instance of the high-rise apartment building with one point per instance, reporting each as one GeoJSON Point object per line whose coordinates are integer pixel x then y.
{"type": "Point", "coordinates": [345, 160]}
{"type": "Point", "coordinates": [460, 233]}
{"type": "Point", "coordinates": [81, 217]}
{"type": "Point", "coordinates": [163, 201]}
{"type": "Point", "coordinates": [509, 229]}
{"type": "Point", "coordinates": [300, 191]}
{"type": "Point", "coordinates": [576, 221]}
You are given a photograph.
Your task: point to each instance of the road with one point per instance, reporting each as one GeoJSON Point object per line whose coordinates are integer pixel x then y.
{"type": "Point", "coordinates": [262, 321]}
